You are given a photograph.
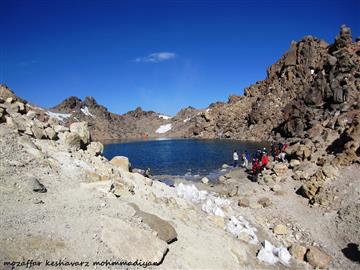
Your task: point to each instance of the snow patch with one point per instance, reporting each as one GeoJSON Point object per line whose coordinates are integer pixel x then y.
{"type": "Point", "coordinates": [187, 119]}
{"type": "Point", "coordinates": [86, 111]}
{"type": "Point", "coordinates": [242, 226]}
{"type": "Point", "coordinates": [271, 255]}
{"type": "Point", "coordinates": [216, 206]}
{"type": "Point", "coordinates": [213, 205]}
{"type": "Point", "coordinates": [163, 128]}
{"type": "Point", "coordinates": [191, 193]}
{"type": "Point", "coordinates": [166, 117]}
{"type": "Point", "coordinates": [59, 116]}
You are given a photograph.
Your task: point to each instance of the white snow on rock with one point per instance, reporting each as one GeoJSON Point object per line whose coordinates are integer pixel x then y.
{"type": "Point", "coordinates": [163, 116]}
{"type": "Point", "coordinates": [86, 111]}
{"type": "Point", "coordinates": [213, 205]}
{"type": "Point", "coordinates": [241, 226]}
{"type": "Point", "coordinates": [216, 206]}
{"type": "Point", "coordinates": [191, 193]}
{"type": "Point", "coordinates": [187, 119]}
{"type": "Point", "coordinates": [59, 116]}
{"type": "Point", "coordinates": [271, 255]}
{"type": "Point", "coordinates": [163, 128]}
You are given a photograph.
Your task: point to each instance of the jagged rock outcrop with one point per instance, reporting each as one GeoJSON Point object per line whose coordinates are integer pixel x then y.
{"type": "Point", "coordinates": [310, 96]}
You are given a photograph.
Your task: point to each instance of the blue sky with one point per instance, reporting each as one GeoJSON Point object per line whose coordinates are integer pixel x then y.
{"type": "Point", "coordinates": [160, 55]}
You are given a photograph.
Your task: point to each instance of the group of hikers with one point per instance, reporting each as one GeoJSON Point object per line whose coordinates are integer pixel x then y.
{"type": "Point", "coordinates": [260, 160]}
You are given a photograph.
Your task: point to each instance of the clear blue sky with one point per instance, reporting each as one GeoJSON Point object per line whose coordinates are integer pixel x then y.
{"type": "Point", "coordinates": [160, 55]}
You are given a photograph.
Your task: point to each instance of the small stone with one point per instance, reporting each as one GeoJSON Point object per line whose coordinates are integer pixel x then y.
{"type": "Point", "coordinates": [244, 202]}
{"type": "Point", "coordinates": [280, 229]}
{"type": "Point", "coordinates": [205, 180]}
{"type": "Point", "coordinates": [225, 166]}
{"type": "Point", "coordinates": [265, 202]}
{"type": "Point", "coordinates": [255, 205]}
{"type": "Point", "coordinates": [276, 188]}
{"type": "Point", "coordinates": [35, 185]}
{"type": "Point", "coordinates": [298, 252]}
{"type": "Point", "coordinates": [317, 258]}
{"type": "Point", "coordinates": [294, 163]}
{"type": "Point", "coordinates": [222, 179]}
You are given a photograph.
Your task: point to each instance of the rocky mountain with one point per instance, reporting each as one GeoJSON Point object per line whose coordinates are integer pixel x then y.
{"type": "Point", "coordinates": [311, 95]}
{"type": "Point", "coordinates": [135, 124]}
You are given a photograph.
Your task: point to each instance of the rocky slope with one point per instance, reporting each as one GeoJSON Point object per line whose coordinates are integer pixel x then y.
{"type": "Point", "coordinates": [311, 94]}
{"type": "Point", "coordinates": [311, 83]}
{"type": "Point", "coordinates": [137, 124]}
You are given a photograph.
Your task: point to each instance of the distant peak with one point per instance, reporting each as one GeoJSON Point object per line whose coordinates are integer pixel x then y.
{"type": "Point", "coordinates": [90, 101]}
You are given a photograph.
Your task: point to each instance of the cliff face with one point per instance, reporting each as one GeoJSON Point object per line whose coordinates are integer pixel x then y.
{"type": "Point", "coordinates": [311, 93]}
{"type": "Point", "coordinates": [311, 82]}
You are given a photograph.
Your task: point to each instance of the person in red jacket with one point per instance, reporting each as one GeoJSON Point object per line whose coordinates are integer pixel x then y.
{"type": "Point", "coordinates": [256, 169]}
{"type": "Point", "coordinates": [264, 160]}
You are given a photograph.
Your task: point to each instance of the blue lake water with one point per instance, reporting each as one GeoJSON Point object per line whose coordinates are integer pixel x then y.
{"type": "Point", "coordinates": [180, 156]}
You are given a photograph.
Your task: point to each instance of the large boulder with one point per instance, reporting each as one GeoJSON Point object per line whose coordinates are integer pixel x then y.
{"type": "Point", "coordinates": [71, 141]}
{"type": "Point", "coordinates": [81, 128]}
{"type": "Point", "coordinates": [131, 243]}
{"type": "Point", "coordinates": [95, 148]}
{"type": "Point", "coordinates": [50, 133]}
{"type": "Point", "coordinates": [318, 258]}
{"type": "Point", "coordinates": [165, 231]}
{"type": "Point", "coordinates": [121, 162]}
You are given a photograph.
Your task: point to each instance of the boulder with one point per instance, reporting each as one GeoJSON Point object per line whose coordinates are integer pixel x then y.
{"type": "Point", "coordinates": [297, 252]}
{"type": "Point", "coordinates": [318, 258]}
{"type": "Point", "coordinates": [38, 132]}
{"type": "Point", "coordinates": [31, 114]}
{"type": "Point", "coordinates": [50, 133]}
{"type": "Point", "coordinates": [329, 170]}
{"type": "Point", "coordinates": [280, 229]}
{"type": "Point", "coordinates": [71, 140]}
{"type": "Point", "coordinates": [60, 129]}
{"type": "Point", "coordinates": [81, 128]}
{"type": "Point", "coordinates": [131, 243]}
{"type": "Point", "coordinates": [53, 121]}
{"type": "Point", "coordinates": [121, 162]}
{"type": "Point", "coordinates": [165, 231]}
{"type": "Point", "coordinates": [95, 148]}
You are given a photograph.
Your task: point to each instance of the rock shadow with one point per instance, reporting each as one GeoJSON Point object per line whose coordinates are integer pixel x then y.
{"type": "Point", "coordinates": [352, 252]}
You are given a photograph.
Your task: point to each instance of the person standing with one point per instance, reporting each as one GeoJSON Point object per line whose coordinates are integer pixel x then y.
{"type": "Point", "coordinates": [235, 158]}
{"type": "Point", "coordinates": [264, 160]}
{"type": "Point", "coordinates": [245, 160]}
